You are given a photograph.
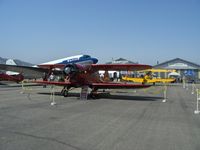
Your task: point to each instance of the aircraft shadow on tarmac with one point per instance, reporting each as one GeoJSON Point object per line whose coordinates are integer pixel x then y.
{"type": "Point", "coordinates": [2, 83]}
{"type": "Point", "coordinates": [112, 96]}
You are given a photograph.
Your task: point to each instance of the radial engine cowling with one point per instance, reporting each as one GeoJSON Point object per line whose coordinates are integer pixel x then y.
{"type": "Point", "coordinates": [74, 68]}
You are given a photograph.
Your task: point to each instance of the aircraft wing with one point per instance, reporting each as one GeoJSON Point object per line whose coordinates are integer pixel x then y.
{"type": "Point", "coordinates": [119, 67]}
{"type": "Point", "coordinates": [50, 66]}
{"type": "Point", "coordinates": [118, 86]}
{"type": "Point", "coordinates": [28, 72]}
{"type": "Point", "coordinates": [154, 80]}
{"type": "Point", "coordinates": [98, 85]}
{"type": "Point", "coordinates": [140, 80]}
{"type": "Point", "coordinates": [33, 72]}
{"type": "Point", "coordinates": [158, 70]}
{"type": "Point", "coordinates": [164, 80]}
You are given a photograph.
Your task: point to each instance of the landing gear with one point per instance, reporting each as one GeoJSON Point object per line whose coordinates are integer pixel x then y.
{"type": "Point", "coordinates": [94, 94]}
{"type": "Point", "coordinates": [65, 91]}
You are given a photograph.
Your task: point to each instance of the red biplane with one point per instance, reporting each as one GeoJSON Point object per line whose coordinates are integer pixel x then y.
{"type": "Point", "coordinates": [77, 75]}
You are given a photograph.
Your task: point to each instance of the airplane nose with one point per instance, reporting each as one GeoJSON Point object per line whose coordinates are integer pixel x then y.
{"type": "Point", "coordinates": [94, 60]}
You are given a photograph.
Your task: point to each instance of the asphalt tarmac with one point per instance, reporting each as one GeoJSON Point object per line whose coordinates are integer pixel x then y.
{"type": "Point", "coordinates": [121, 120]}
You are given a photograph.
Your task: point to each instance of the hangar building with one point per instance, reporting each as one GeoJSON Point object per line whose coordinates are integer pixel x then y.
{"type": "Point", "coordinates": [117, 74]}
{"type": "Point", "coordinates": [183, 68]}
{"type": "Point", "coordinates": [121, 61]}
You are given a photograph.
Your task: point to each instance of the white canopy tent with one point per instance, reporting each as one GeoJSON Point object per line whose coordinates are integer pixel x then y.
{"type": "Point", "coordinates": [175, 74]}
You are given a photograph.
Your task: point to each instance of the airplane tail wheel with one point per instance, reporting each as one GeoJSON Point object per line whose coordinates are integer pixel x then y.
{"type": "Point", "coordinates": [65, 93]}
{"type": "Point", "coordinates": [94, 95]}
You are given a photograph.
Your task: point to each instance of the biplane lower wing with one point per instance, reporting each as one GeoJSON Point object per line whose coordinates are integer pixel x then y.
{"type": "Point", "coordinates": [118, 86]}
{"type": "Point", "coordinates": [98, 85]}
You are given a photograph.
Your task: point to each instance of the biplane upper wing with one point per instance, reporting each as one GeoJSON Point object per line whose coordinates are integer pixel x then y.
{"type": "Point", "coordinates": [119, 67]}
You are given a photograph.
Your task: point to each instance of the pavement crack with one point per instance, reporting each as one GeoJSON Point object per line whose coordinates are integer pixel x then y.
{"type": "Point", "coordinates": [46, 138]}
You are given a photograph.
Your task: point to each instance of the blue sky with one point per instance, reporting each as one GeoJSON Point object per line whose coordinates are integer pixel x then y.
{"type": "Point", "coordinates": [146, 31]}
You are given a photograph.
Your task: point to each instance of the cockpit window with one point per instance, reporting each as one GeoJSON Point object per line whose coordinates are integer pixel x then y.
{"type": "Point", "coordinates": [85, 56]}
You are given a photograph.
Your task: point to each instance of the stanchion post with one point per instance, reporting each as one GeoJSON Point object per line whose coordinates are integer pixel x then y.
{"type": "Point", "coordinates": [22, 92]}
{"type": "Point", "coordinates": [184, 83]}
{"type": "Point", "coordinates": [187, 85]}
{"type": "Point", "coordinates": [52, 96]}
{"type": "Point", "coordinates": [198, 99]}
{"type": "Point", "coordinates": [84, 93]}
{"type": "Point", "coordinates": [193, 88]}
{"type": "Point", "coordinates": [165, 94]}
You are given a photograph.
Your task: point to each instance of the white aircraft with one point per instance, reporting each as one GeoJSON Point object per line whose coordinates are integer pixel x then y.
{"type": "Point", "coordinates": [79, 59]}
{"type": "Point", "coordinates": [38, 71]}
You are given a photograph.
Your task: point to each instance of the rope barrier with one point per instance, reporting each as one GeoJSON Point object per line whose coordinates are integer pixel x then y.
{"type": "Point", "coordinates": [29, 91]}
{"type": "Point", "coordinates": [26, 90]}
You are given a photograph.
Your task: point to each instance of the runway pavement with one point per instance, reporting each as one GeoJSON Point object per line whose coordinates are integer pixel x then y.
{"type": "Point", "coordinates": [124, 120]}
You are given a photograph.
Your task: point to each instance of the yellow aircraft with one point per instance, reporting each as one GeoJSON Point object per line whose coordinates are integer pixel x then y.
{"type": "Point", "coordinates": [148, 78]}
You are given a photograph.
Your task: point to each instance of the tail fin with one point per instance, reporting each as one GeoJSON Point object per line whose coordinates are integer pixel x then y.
{"type": "Point", "coordinates": [10, 62]}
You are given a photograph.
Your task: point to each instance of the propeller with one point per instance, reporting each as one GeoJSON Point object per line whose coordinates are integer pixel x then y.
{"type": "Point", "coordinates": [70, 69]}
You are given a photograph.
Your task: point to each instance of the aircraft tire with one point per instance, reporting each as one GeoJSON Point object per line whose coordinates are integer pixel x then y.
{"type": "Point", "coordinates": [65, 93]}
{"type": "Point", "coordinates": [93, 96]}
